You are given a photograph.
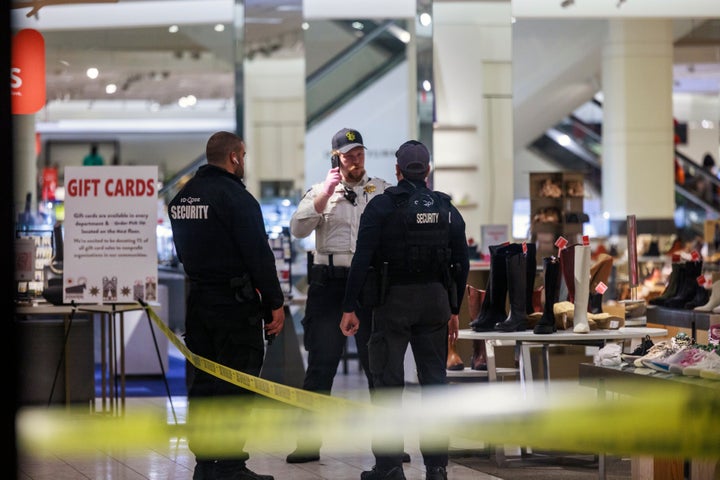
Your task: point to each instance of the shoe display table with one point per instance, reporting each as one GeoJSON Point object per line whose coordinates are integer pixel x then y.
{"type": "Point", "coordinates": [525, 339]}
{"type": "Point", "coordinates": [626, 379]}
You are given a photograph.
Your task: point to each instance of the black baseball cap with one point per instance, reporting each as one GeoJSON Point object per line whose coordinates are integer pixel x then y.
{"type": "Point", "coordinates": [413, 158]}
{"type": "Point", "coordinates": [347, 139]}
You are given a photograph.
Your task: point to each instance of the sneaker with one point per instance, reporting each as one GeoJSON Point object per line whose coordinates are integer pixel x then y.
{"type": "Point", "coordinates": [711, 362]}
{"type": "Point", "coordinates": [435, 473]}
{"type": "Point", "coordinates": [662, 362]}
{"type": "Point", "coordinates": [712, 370]}
{"type": "Point", "coordinates": [658, 350]}
{"type": "Point", "coordinates": [685, 358]}
{"type": "Point", "coordinates": [395, 473]}
{"type": "Point", "coordinates": [303, 456]}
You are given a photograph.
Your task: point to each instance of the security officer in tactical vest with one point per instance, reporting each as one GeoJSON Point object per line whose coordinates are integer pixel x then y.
{"type": "Point", "coordinates": [413, 240]}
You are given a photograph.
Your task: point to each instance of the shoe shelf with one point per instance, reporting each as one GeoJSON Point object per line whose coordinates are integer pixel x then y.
{"type": "Point", "coordinates": [675, 317]}
{"type": "Point", "coordinates": [556, 209]}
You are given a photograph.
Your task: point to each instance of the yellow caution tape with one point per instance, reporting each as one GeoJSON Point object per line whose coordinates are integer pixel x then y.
{"type": "Point", "coordinates": [276, 391]}
{"type": "Point", "coordinates": [666, 422]}
{"type": "Point", "coordinates": [672, 421]}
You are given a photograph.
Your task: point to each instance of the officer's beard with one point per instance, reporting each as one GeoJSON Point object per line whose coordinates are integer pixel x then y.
{"type": "Point", "coordinates": [354, 174]}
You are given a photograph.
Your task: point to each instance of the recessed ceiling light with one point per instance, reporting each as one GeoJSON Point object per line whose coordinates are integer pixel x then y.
{"type": "Point", "coordinates": [425, 19]}
{"type": "Point", "coordinates": [110, 88]}
{"type": "Point", "coordinates": [173, 29]}
{"type": "Point", "coordinates": [219, 27]}
{"type": "Point", "coordinates": [92, 72]}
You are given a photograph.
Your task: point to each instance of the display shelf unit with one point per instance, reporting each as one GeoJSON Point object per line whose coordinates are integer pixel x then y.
{"type": "Point", "coordinates": [43, 252]}
{"type": "Point", "coordinates": [281, 245]}
{"type": "Point", "coordinates": [556, 209]}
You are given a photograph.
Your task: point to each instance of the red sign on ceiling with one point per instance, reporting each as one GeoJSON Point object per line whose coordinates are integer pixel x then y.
{"type": "Point", "coordinates": [27, 73]}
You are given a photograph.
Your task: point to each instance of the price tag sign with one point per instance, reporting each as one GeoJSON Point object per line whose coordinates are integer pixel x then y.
{"type": "Point", "coordinates": [601, 288]}
{"type": "Point", "coordinates": [524, 248]}
{"type": "Point", "coordinates": [701, 280]}
{"type": "Point", "coordinates": [586, 240]}
{"type": "Point", "coordinates": [695, 256]}
{"type": "Point", "coordinates": [561, 242]}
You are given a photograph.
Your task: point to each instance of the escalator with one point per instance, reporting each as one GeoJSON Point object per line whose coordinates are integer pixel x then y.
{"type": "Point", "coordinates": [351, 61]}
{"type": "Point", "coordinates": [575, 144]}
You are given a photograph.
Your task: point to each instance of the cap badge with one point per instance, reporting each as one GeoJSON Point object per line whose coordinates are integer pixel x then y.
{"type": "Point", "coordinates": [350, 136]}
{"type": "Point", "coordinates": [369, 188]}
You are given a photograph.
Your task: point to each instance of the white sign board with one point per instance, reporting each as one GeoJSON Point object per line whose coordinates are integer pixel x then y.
{"type": "Point", "coordinates": [110, 234]}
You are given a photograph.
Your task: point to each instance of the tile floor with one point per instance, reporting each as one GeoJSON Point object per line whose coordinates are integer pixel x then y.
{"type": "Point", "coordinates": [174, 461]}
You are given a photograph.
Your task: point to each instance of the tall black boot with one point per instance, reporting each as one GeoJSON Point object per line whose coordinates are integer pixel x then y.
{"type": "Point", "coordinates": [672, 285]}
{"type": "Point", "coordinates": [595, 302]}
{"type": "Point", "coordinates": [531, 259]}
{"type": "Point", "coordinates": [551, 268]}
{"type": "Point", "coordinates": [517, 288]}
{"type": "Point", "coordinates": [686, 289]}
{"type": "Point", "coordinates": [493, 306]}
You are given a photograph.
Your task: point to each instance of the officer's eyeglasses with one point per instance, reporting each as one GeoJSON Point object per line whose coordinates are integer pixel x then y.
{"type": "Point", "coordinates": [350, 195]}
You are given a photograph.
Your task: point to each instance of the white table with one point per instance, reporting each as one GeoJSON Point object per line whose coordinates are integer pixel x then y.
{"type": "Point", "coordinates": [525, 339]}
{"type": "Point", "coordinates": [567, 337]}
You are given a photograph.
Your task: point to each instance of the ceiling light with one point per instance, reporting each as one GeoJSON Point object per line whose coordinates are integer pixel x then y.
{"type": "Point", "coordinates": [399, 33]}
{"type": "Point", "coordinates": [427, 86]}
{"type": "Point", "coordinates": [173, 29]}
{"type": "Point", "coordinates": [305, 25]}
{"type": "Point", "coordinates": [425, 19]}
{"type": "Point", "coordinates": [92, 72]}
{"type": "Point", "coordinates": [110, 88]}
{"type": "Point", "coordinates": [358, 25]}
{"type": "Point", "coordinates": [219, 27]}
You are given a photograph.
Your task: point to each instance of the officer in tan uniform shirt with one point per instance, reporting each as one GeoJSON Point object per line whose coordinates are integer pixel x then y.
{"type": "Point", "coordinates": [332, 210]}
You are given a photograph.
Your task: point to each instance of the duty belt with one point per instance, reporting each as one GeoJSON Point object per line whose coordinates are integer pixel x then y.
{"type": "Point", "coordinates": [322, 272]}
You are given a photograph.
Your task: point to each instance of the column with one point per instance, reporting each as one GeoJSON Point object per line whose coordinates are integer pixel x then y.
{"type": "Point", "coordinates": [637, 141]}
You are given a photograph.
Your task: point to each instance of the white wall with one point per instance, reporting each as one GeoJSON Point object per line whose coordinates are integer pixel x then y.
{"type": "Point", "coordinates": [380, 114]}
{"type": "Point", "coordinates": [473, 92]}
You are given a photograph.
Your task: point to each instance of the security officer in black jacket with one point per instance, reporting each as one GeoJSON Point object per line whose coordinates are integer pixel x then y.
{"type": "Point", "coordinates": [415, 239]}
{"type": "Point", "coordinates": [220, 239]}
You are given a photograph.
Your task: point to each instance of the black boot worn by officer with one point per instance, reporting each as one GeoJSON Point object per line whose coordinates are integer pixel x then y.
{"type": "Point", "coordinates": [236, 470]}
{"type": "Point", "coordinates": [395, 473]}
{"type": "Point", "coordinates": [303, 455]}
{"type": "Point", "coordinates": [435, 473]}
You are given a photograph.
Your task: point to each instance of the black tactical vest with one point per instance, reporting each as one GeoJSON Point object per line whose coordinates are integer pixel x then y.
{"type": "Point", "coordinates": [415, 237]}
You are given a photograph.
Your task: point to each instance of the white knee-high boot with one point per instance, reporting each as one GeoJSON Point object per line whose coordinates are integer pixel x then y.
{"type": "Point", "coordinates": [714, 300]}
{"type": "Point", "coordinates": [582, 288]}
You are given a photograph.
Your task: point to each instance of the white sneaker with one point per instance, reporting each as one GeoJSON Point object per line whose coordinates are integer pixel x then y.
{"type": "Point", "coordinates": [709, 364]}
{"type": "Point", "coordinates": [685, 358]}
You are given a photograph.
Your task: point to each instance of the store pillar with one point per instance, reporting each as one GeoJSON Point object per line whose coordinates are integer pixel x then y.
{"type": "Point", "coordinates": [637, 140]}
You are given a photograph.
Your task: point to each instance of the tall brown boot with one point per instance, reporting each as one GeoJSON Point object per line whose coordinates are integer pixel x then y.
{"type": "Point", "coordinates": [454, 362]}
{"type": "Point", "coordinates": [567, 269]}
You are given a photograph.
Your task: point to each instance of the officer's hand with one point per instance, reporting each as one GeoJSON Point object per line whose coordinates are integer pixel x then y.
{"type": "Point", "coordinates": [453, 328]}
{"type": "Point", "coordinates": [332, 180]}
{"type": "Point", "coordinates": [278, 320]}
{"type": "Point", "coordinates": [349, 324]}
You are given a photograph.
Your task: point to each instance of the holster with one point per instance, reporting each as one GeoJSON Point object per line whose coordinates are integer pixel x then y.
{"type": "Point", "coordinates": [244, 290]}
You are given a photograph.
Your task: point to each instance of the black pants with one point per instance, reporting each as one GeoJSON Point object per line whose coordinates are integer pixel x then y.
{"type": "Point", "coordinates": [415, 315]}
{"type": "Point", "coordinates": [322, 337]}
{"type": "Point", "coordinates": [220, 329]}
